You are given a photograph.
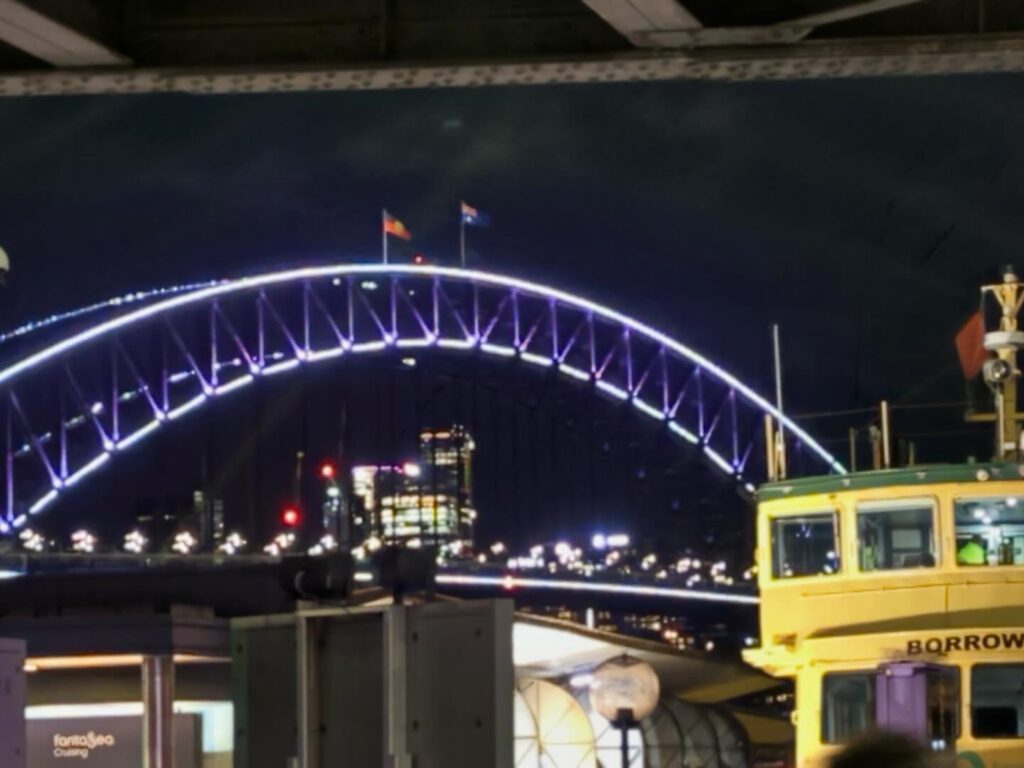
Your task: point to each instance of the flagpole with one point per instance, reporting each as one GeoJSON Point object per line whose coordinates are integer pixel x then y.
{"type": "Point", "coordinates": [384, 233]}
{"type": "Point", "coordinates": [462, 236]}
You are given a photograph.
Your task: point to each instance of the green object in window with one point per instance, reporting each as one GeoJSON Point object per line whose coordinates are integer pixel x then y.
{"type": "Point", "coordinates": [971, 553]}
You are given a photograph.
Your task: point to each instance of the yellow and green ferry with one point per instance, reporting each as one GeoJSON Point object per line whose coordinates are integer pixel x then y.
{"type": "Point", "coordinates": [894, 598]}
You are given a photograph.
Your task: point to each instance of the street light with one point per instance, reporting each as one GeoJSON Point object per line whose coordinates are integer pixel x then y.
{"type": "Point", "coordinates": [624, 691]}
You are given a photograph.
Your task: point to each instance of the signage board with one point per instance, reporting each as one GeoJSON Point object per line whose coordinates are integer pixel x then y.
{"type": "Point", "coordinates": [105, 742]}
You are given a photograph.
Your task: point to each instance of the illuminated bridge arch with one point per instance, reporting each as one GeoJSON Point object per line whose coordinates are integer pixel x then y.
{"type": "Point", "coordinates": [72, 407]}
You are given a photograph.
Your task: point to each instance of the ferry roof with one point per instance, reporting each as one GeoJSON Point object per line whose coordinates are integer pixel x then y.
{"type": "Point", "coordinates": [885, 478]}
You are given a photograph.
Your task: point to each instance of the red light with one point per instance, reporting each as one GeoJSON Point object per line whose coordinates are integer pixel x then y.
{"type": "Point", "coordinates": [419, 259]}
{"type": "Point", "coordinates": [291, 517]}
{"type": "Point", "coordinates": [327, 471]}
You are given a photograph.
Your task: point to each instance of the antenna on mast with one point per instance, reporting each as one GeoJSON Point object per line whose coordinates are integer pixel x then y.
{"type": "Point", "coordinates": [1001, 373]}
{"type": "Point", "coordinates": [779, 446]}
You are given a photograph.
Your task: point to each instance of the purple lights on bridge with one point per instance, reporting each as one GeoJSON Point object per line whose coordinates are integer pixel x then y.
{"type": "Point", "coordinates": [159, 362]}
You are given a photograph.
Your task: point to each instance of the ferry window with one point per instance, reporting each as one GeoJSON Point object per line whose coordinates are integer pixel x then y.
{"type": "Point", "coordinates": [896, 534]}
{"type": "Point", "coordinates": [807, 545]}
{"type": "Point", "coordinates": [848, 705]}
{"type": "Point", "coordinates": [997, 701]}
{"type": "Point", "coordinates": [990, 531]}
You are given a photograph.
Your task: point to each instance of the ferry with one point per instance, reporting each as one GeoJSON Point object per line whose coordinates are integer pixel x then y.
{"type": "Point", "coordinates": [894, 598]}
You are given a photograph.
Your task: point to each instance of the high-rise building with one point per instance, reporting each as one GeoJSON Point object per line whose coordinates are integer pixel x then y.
{"type": "Point", "coordinates": [428, 500]}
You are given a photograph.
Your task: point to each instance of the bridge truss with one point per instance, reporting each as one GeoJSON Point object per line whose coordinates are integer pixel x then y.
{"type": "Point", "coordinates": [71, 408]}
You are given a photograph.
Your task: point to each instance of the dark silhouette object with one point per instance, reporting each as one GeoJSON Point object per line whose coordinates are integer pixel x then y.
{"type": "Point", "coordinates": [883, 749]}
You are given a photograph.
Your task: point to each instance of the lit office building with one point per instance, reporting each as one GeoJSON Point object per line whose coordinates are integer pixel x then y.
{"type": "Point", "coordinates": [427, 501]}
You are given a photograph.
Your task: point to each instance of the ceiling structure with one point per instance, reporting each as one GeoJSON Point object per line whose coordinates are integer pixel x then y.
{"type": "Point", "coordinates": [230, 46]}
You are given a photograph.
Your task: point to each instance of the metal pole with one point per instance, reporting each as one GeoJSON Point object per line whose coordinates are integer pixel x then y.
{"type": "Point", "coordinates": [853, 449]}
{"type": "Point", "coordinates": [780, 434]}
{"type": "Point", "coordinates": [886, 450]}
{"type": "Point", "coordinates": [308, 692]}
{"type": "Point", "coordinates": [158, 712]}
{"type": "Point", "coordinates": [462, 237]}
{"type": "Point", "coordinates": [769, 445]}
{"type": "Point", "coordinates": [384, 233]}
{"type": "Point", "coordinates": [625, 746]}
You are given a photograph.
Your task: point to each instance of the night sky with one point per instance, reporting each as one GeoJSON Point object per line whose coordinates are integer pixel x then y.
{"type": "Point", "coordinates": [861, 215]}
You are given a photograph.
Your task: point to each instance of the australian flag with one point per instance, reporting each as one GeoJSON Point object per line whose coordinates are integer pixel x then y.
{"type": "Point", "coordinates": [473, 217]}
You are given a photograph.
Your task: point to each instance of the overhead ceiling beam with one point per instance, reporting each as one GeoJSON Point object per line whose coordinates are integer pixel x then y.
{"type": "Point", "coordinates": [830, 59]}
{"type": "Point", "coordinates": [51, 41]}
{"type": "Point", "coordinates": [636, 19]}
{"type": "Point", "coordinates": [847, 12]}
{"type": "Point", "coordinates": [666, 24]}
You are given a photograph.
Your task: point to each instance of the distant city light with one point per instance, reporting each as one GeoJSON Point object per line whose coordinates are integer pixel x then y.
{"type": "Point", "coordinates": [291, 517]}
{"type": "Point", "coordinates": [412, 470]}
{"type": "Point", "coordinates": [327, 471]}
{"type": "Point", "coordinates": [135, 542]}
{"type": "Point", "coordinates": [409, 362]}
{"type": "Point", "coordinates": [618, 540]}
{"type": "Point", "coordinates": [233, 543]}
{"type": "Point", "coordinates": [184, 543]}
{"type": "Point", "coordinates": [281, 543]}
{"type": "Point", "coordinates": [83, 541]}
{"type": "Point", "coordinates": [599, 541]}
{"type": "Point", "coordinates": [32, 540]}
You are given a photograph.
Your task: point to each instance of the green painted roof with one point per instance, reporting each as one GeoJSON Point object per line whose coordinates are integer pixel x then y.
{"type": "Point", "coordinates": [886, 478]}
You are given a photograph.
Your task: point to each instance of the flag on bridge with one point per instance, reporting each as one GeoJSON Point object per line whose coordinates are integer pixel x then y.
{"type": "Point", "coordinates": [391, 226]}
{"type": "Point", "coordinates": [474, 217]}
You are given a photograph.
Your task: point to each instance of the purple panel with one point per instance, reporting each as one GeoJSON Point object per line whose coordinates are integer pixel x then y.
{"type": "Point", "coordinates": [901, 699]}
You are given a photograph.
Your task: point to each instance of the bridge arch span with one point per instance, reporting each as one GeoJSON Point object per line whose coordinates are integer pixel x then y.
{"type": "Point", "coordinates": [73, 406]}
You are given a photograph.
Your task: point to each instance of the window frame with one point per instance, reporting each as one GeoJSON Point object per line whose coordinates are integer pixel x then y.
{"type": "Point", "coordinates": [837, 541]}
{"type": "Point", "coordinates": [955, 500]}
{"type": "Point", "coordinates": [870, 506]}
{"type": "Point", "coordinates": [823, 708]}
{"type": "Point", "coordinates": [989, 664]}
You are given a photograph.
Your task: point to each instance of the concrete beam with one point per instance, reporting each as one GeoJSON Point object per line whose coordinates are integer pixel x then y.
{"type": "Point", "coordinates": [853, 11]}
{"type": "Point", "coordinates": [637, 19]}
{"type": "Point", "coordinates": [812, 59]}
{"type": "Point", "coordinates": [50, 41]}
{"type": "Point", "coordinates": [666, 24]}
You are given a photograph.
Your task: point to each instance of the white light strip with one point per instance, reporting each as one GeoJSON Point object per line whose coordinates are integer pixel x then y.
{"type": "Point", "coordinates": [683, 432]}
{"type": "Point", "coordinates": [651, 411]}
{"type": "Point", "coordinates": [574, 372]}
{"type": "Point", "coordinates": [92, 466]}
{"type": "Point", "coordinates": [456, 343]}
{"type": "Point", "coordinates": [117, 301]}
{"type": "Point", "coordinates": [363, 577]}
{"type": "Point", "coordinates": [717, 459]}
{"type": "Point", "coordinates": [42, 502]}
{"type": "Point", "coordinates": [413, 343]}
{"type": "Point", "coordinates": [523, 286]}
{"type": "Point", "coordinates": [368, 346]}
{"type": "Point", "coordinates": [234, 384]}
{"type": "Point", "coordinates": [498, 349]}
{"type": "Point", "coordinates": [545, 362]}
{"type": "Point", "coordinates": [287, 365]}
{"type": "Point", "coordinates": [325, 354]}
{"type": "Point", "coordinates": [138, 434]}
{"type": "Point", "coordinates": [513, 582]}
{"type": "Point", "coordinates": [612, 390]}
{"type": "Point", "coordinates": [192, 404]}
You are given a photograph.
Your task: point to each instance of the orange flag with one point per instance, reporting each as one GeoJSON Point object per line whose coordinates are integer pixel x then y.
{"type": "Point", "coordinates": [970, 346]}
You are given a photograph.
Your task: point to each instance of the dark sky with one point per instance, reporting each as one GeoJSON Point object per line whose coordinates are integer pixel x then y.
{"type": "Point", "coordinates": [861, 214]}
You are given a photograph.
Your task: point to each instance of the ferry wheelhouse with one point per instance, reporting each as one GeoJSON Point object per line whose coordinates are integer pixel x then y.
{"type": "Point", "coordinates": [894, 598]}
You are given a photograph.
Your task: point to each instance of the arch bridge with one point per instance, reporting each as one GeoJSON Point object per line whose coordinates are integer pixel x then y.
{"type": "Point", "coordinates": [73, 407]}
